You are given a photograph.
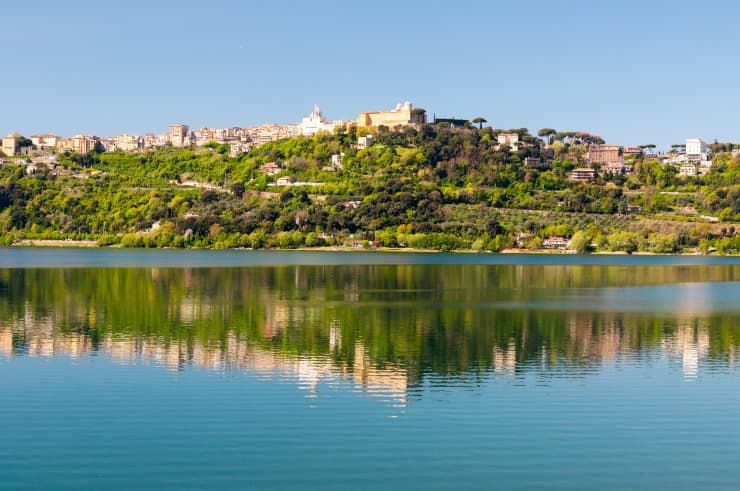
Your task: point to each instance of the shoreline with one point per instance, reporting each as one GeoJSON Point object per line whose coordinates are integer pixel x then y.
{"type": "Point", "coordinates": [56, 243]}
{"type": "Point", "coordinates": [92, 244]}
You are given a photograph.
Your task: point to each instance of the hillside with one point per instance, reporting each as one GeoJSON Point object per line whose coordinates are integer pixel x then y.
{"type": "Point", "coordinates": [436, 187]}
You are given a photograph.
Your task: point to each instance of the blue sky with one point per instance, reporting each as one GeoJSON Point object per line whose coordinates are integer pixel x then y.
{"type": "Point", "coordinates": [632, 72]}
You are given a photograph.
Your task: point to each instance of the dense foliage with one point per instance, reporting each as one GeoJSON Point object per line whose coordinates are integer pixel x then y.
{"type": "Point", "coordinates": [433, 187]}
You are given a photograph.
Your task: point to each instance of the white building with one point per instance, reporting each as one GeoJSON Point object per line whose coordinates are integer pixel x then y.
{"type": "Point", "coordinates": [696, 150]}
{"type": "Point", "coordinates": [365, 141]}
{"type": "Point", "coordinates": [336, 162]}
{"type": "Point", "coordinates": [687, 169]}
{"type": "Point", "coordinates": [510, 140]}
{"type": "Point", "coordinates": [127, 143]}
{"type": "Point", "coordinates": [315, 122]}
{"type": "Point", "coordinates": [45, 141]}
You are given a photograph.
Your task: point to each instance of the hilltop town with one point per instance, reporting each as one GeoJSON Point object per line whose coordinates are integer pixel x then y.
{"type": "Point", "coordinates": [690, 159]}
{"type": "Point", "coordinates": [240, 140]}
{"type": "Point", "coordinates": [395, 178]}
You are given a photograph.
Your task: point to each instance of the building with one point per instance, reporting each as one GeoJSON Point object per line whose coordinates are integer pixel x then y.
{"type": "Point", "coordinates": [603, 154]}
{"type": "Point", "coordinates": [336, 163]}
{"type": "Point", "coordinates": [403, 115]}
{"type": "Point", "coordinates": [705, 167]}
{"type": "Point", "coordinates": [631, 151]}
{"type": "Point", "coordinates": [179, 135]}
{"type": "Point", "coordinates": [696, 150]}
{"type": "Point", "coordinates": [555, 243]}
{"type": "Point", "coordinates": [45, 141]}
{"type": "Point", "coordinates": [687, 169]}
{"type": "Point", "coordinates": [11, 144]}
{"type": "Point", "coordinates": [128, 143]}
{"type": "Point", "coordinates": [203, 136]}
{"type": "Point", "coordinates": [584, 174]}
{"type": "Point", "coordinates": [315, 122]}
{"type": "Point", "coordinates": [283, 181]}
{"type": "Point", "coordinates": [108, 144]}
{"type": "Point", "coordinates": [270, 168]}
{"type": "Point", "coordinates": [85, 144]}
{"type": "Point", "coordinates": [365, 141]}
{"type": "Point", "coordinates": [239, 147]}
{"type": "Point", "coordinates": [618, 168]}
{"type": "Point", "coordinates": [533, 162]}
{"type": "Point", "coordinates": [510, 140]}
{"type": "Point", "coordinates": [81, 144]}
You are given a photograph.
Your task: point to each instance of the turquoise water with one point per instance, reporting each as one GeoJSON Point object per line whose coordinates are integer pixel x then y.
{"type": "Point", "coordinates": [259, 370]}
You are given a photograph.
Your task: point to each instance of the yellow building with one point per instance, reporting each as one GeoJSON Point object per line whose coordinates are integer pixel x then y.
{"type": "Point", "coordinates": [127, 143]}
{"type": "Point", "coordinates": [402, 115]}
{"type": "Point", "coordinates": [10, 144]}
{"type": "Point", "coordinates": [45, 141]}
{"type": "Point", "coordinates": [81, 144]}
{"type": "Point", "coordinates": [179, 135]}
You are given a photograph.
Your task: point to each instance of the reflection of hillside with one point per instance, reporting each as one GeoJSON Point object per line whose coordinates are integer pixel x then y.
{"type": "Point", "coordinates": [233, 354]}
{"type": "Point", "coordinates": [384, 327]}
{"type": "Point", "coordinates": [279, 348]}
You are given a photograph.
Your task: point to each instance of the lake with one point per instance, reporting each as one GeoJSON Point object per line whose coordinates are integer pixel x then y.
{"type": "Point", "coordinates": [161, 369]}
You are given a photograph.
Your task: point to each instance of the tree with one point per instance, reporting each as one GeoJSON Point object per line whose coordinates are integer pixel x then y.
{"type": "Point", "coordinates": [547, 133]}
{"type": "Point", "coordinates": [237, 189]}
{"type": "Point", "coordinates": [581, 242]}
{"type": "Point", "coordinates": [479, 121]}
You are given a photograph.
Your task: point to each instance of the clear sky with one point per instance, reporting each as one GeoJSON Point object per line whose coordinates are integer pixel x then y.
{"type": "Point", "coordinates": [634, 72]}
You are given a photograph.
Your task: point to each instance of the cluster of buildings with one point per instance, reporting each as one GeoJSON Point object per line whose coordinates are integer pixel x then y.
{"type": "Point", "coordinates": [240, 139]}
{"type": "Point", "coordinates": [690, 159]}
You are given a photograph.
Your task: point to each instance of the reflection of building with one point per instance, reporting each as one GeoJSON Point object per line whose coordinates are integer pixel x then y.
{"type": "Point", "coordinates": [388, 381]}
{"type": "Point", "coordinates": [231, 353]}
{"type": "Point", "coordinates": [335, 336]}
{"type": "Point", "coordinates": [690, 343]}
{"type": "Point", "coordinates": [504, 359]}
{"type": "Point", "coordinates": [6, 342]}
{"type": "Point", "coordinates": [597, 345]}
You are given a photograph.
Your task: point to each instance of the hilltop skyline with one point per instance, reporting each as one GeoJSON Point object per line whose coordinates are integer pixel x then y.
{"type": "Point", "coordinates": [631, 73]}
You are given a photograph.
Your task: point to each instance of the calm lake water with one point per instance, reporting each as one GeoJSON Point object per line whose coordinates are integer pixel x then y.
{"type": "Point", "coordinates": [126, 369]}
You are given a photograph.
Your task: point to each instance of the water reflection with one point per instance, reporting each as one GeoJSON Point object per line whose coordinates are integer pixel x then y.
{"type": "Point", "coordinates": [381, 330]}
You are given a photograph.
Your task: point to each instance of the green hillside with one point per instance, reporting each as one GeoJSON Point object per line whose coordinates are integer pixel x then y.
{"type": "Point", "coordinates": [433, 187]}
